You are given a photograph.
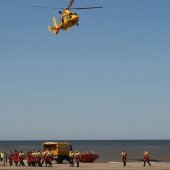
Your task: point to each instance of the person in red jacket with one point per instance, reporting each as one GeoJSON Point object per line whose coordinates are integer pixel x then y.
{"type": "Point", "coordinates": [28, 158]}
{"type": "Point", "coordinates": [124, 157]}
{"type": "Point", "coordinates": [146, 158]}
{"type": "Point", "coordinates": [21, 158]}
{"type": "Point", "coordinates": [10, 158]}
{"type": "Point", "coordinates": [15, 157]}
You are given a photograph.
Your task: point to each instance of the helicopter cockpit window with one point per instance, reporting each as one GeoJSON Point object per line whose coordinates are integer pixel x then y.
{"type": "Point", "coordinates": [70, 15]}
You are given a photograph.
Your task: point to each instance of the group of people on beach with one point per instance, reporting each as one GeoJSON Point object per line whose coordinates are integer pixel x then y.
{"type": "Point", "coordinates": [145, 158]}
{"type": "Point", "coordinates": [33, 158]}
{"type": "Point", "coordinates": [37, 158]}
{"type": "Point", "coordinates": [74, 156]}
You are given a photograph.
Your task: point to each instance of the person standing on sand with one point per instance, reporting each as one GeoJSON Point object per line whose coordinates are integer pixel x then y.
{"type": "Point", "coordinates": [44, 154]}
{"type": "Point", "coordinates": [6, 158]}
{"type": "Point", "coordinates": [146, 158]}
{"type": "Point", "coordinates": [3, 158]}
{"type": "Point", "coordinates": [124, 157]}
{"type": "Point", "coordinates": [21, 157]}
{"type": "Point", "coordinates": [10, 158]}
{"type": "Point", "coordinates": [77, 157]}
{"type": "Point", "coordinates": [71, 158]}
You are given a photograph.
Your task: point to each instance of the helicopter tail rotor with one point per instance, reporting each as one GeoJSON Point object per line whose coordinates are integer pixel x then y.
{"type": "Point", "coordinates": [49, 29]}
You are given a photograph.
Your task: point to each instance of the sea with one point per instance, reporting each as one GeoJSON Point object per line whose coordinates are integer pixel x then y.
{"type": "Point", "coordinates": [108, 150]}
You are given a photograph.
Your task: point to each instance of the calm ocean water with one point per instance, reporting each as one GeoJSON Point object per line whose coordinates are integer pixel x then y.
{"type": "Point", "coordinates": [108, 150]}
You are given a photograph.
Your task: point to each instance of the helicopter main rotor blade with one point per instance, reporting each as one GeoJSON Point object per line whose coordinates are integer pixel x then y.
{"type": "Point", "coordinates": [94, 7]}
{"type": "Point", "coordinates": [70, 4]}
{"type": "Point", "coordinates": [36, 6]}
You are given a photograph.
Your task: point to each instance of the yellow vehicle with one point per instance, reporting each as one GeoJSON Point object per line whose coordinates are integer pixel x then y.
{"type": "Point", "coordinates": [68, 18]}
{"type": "Point", "coordinates": [60, 150]}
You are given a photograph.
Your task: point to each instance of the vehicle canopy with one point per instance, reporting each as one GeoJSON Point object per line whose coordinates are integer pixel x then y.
{"type": "Point", "coordinates": [60, 150]}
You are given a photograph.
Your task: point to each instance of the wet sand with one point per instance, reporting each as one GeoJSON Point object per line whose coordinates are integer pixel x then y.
{"type": "Point", "coordinates": [96, 166]}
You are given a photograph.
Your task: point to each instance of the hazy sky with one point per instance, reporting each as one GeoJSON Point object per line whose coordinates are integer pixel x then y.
{"type": "Point", "coordinates": [109, 78]}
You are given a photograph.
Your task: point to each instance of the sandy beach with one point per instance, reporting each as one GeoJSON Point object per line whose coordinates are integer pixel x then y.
{"type": "Point", "coordinates": [97, 166]}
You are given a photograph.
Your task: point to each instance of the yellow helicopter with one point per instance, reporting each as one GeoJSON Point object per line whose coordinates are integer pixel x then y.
{"type": "Point", "coordinates": [68, 18]}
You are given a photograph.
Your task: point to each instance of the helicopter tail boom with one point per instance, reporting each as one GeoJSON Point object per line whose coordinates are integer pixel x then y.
{"type": "Point", "coordinates": [55, 28]}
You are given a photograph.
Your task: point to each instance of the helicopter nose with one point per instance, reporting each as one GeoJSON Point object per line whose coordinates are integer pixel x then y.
{"type": "Point", "coordinates": [75, 19]}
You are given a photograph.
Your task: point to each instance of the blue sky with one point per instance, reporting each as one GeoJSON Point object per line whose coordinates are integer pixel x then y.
{"type": "Point", "coordinates": [106, 79]}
